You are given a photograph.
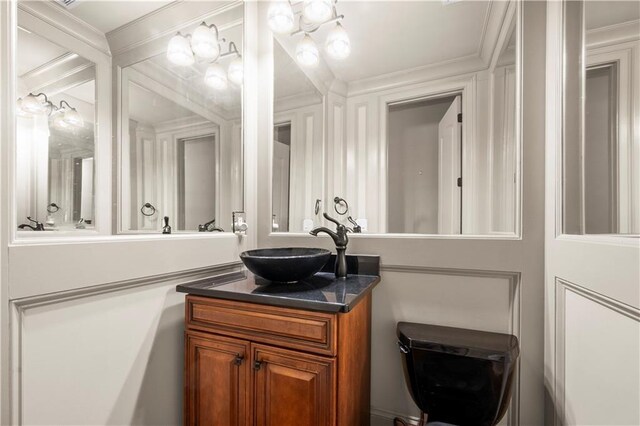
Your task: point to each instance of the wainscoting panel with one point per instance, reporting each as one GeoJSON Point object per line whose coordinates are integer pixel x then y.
{"type": "Point", "coordinates": [477, 300]}
{"type": "Point", "coordinates": [102, 356]}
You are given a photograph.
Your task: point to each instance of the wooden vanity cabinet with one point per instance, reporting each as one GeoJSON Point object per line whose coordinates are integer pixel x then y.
{"type": "Point", "coordinates": [249, 364]}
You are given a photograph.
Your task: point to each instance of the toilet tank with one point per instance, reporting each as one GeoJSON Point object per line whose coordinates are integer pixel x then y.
{"type": "Point", "coordinates": [458, 376]}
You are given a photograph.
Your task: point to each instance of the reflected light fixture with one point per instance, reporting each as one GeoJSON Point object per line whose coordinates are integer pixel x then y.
{"type": "Point", "coordinates": [338, 45]}
{"type": "Point", "coordinates": [216, 77]}
{"type": "Point", "coordinates": [307, 52]}
{"type": "Point", "coordinates": [63, 116]}
{"type": "Point", "coordinates": [30, 104]}
{"type": "Point", "coordinates": [179, 51]}
{"type": "Point", "coordinates": [205, 43]}
{"type": "Point", "coordinates": [236, 69]}
{"type": "Point", "coordinates": [317, 11]}
{"type": "Point", "coordinates": [280, 17]}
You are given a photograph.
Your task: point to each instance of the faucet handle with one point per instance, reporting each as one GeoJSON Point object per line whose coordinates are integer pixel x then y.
{"type": "Point", "coordinates": [330, 219]}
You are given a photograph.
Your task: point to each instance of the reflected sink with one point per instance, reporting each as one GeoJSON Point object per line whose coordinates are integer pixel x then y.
{"type": "Point", "coordinates": [285, 265]}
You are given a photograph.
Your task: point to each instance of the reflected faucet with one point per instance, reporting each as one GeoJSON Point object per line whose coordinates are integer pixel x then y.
{"type": "Point", "coordinates": [166, 229]}
{"type": "Point", "coordinates": [340, 239]}
{"type": "Point", "coordinates": [357, 229]}
{"type": "Point", "coordinates": [37, 226]}
{"type": "Point", "coordinates": [209, 227]}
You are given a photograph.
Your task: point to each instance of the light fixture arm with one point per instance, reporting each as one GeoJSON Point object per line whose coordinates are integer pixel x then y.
{"type": "Point", "coordinates": [66, 103]}
{"type": "Point", "coordinates": [316, 27]}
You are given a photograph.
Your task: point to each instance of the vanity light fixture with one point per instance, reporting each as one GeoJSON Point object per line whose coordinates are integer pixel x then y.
{"type": "Point", "coordinates": [338, 45]}
{"type": "Point", "coordinates": [204, 45]}
{"type": "Point", "coordinates": [307, 52]}
{"type": "Point", "coordinates": [179, 51]}
{"type": "Point", "coordinates": [280, 16]}
{"type": "Point", "coordinates": [64, 116]}
{"type": "Point", "coordinates": [216, 77]}
{"type": "Point", "coordinates": [314, 14]}
{"type": "Point", "coordinates": [317, 11]}
{"type": "Point", "coordinates": [31, 104]}
{"type": "Point", "coordinates": [236, 69]}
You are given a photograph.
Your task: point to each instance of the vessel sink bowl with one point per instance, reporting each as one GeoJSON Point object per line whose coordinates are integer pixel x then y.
{"type": "Point", "coordinates": [285, 265]}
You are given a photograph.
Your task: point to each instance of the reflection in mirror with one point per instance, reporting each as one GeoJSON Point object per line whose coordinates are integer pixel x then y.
{"type": "Point", "coordinates": [297, 144]}
{"type": "Point", "coordinates": [182, 138]}
{"type": "Point", "coordinates": [419, 136]}
{"type": "Point", "coordinates": [55, 131]}
{"type": "Point", "coordinates": [602, 159]}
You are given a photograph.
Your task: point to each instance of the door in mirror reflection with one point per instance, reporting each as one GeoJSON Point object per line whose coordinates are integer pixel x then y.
{"type": "Point", "coordinates": [424, 167]}
{"type": "Point", "coordinates": [413, 120]}
{"type": "Point", "coordinates": [55, 136]}
{"type": "Point", "coordinates": [601, 155]}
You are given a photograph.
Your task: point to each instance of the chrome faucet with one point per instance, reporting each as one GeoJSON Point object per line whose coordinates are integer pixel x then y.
{"type": "Point", "coordinates": [37, 226]}
{"type": "Point", "coordinates": [209, 227]}
{"type": "Point", "coordinates": [340, 239]}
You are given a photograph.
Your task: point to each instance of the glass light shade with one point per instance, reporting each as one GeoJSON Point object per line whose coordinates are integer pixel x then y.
{"type": "Point", "coordinates": [19, 111]}
{"type": "Point", "coordinates": [307, 52]}
{"type": "Point", "coordinates": [59, 121]}
{"type": "Point", "coordinates": [235, 72]}
{"type": "Point", "coordinates": [179, 51]}
{"type": "Point", "coordinates": [73, 117]}
{"type": "Point", "coordinates": [216, 77]}
{"type": "Point", "coordinates": [32, 105]}
{"type": "Point", "coordinates": [204, 42]}
{"type": "Point", "coordinates": [317, 11]}
{"type": "Point", "coordinates": [338, 45]}
{"type": "Point", "coordinates": [280, 17]}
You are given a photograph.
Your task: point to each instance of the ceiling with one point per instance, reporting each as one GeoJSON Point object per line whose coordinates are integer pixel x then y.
{"type": "Point", "coordinates": [34, 51]}
{"type": "Point", "coordinates": [389, 36]}
{"type": "Point", "coordinates": [108, 15]}
{"type": "Point", "coordinates": [152, 109]}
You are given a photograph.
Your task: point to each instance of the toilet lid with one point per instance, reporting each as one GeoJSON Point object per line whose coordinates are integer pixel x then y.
{"type": "Point", "coordinates": [459, 341]}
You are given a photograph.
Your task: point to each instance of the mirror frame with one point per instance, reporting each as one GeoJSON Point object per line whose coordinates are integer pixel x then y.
{"type": "Point", "coordinates": [266, 70]}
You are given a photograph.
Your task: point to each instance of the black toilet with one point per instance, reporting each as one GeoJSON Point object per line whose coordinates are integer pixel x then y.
{"type": "Point", "coordinates": [458, 376]}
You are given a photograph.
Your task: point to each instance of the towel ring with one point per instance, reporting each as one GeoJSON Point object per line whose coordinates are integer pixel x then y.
{"type": "Point", "coordinates": [317, 208]}
{"type": "Point", "coordinates": [148, 209]}
{"type": "Point", "coordinates": [52, 208]}
{"type": "Point", "coordinates": [337, 201]}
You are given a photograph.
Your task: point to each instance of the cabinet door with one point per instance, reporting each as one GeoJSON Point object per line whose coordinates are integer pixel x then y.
{"type": "Point", "coordinates": [293, 388]}
{"type": "Point", "coordinates": [217, 380]}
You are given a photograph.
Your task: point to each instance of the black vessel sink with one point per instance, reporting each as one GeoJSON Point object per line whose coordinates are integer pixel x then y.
{"type": "Point", "coordinates": [285, 265]}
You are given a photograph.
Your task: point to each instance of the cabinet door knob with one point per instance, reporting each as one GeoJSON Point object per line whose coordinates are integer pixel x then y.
{"type": "Point", "coordinates": [238, 360]}
{"type": "Point", "coordinates": [257, 364]}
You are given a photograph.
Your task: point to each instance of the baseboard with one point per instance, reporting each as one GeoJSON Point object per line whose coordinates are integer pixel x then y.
{"type": "Point", "coordinates": [385, 418]}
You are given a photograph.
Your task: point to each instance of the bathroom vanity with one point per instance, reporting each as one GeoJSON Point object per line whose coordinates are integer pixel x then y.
{"type": "Point", "coordinates": [280, 354]}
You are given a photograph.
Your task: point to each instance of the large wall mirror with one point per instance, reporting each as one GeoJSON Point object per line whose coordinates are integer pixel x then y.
{"type": "Point", "coordinates": [397, 117]}
{"type": "Point", "coordinates": [180, 115]}
{"type": "Point", "coordinates": [55, 134]}
{"type": "Point", "coordinates": [601, 151]}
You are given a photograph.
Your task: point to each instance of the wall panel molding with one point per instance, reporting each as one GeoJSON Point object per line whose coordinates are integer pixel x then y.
{"type": "Point", "coordinates": [514, 326]}
{"type": "Point", "coordinates": [19, 307]}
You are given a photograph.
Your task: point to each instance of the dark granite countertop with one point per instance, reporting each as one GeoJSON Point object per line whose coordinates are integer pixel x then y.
{"type": "Point", "coordinates": [322, 292]}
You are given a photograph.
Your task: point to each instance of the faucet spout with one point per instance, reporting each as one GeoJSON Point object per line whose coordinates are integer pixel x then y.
{"type": "Point", "coordinates": [327, 231]}
{"type": "Point", "coordinates": [340, 238]}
